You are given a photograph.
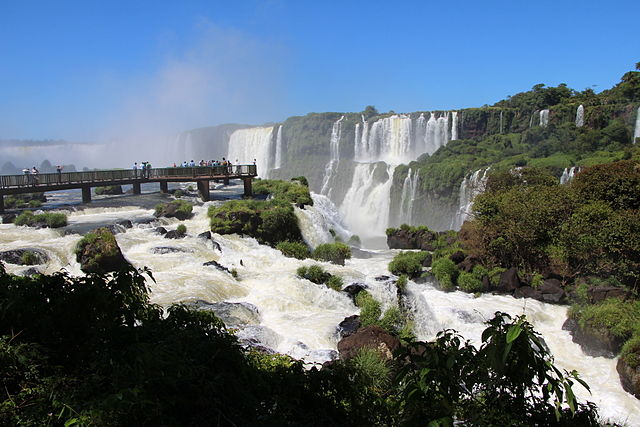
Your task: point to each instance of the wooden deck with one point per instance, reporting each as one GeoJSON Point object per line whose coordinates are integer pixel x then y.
{"type": "Point", "coordinates": [27, 183]}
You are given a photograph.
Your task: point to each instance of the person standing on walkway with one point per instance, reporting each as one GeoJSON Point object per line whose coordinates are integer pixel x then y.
{"type": "Point", "coordinates": [34, 173]}
{"type": "Point", "coordinates": [59, 170]}
{"type": "Point", "coordinates": [135, 169]}
{"type": "Point", "coordinates": [148, 169]}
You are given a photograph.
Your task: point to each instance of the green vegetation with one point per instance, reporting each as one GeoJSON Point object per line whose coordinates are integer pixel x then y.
{"type": "Point", "coordinates": [175, 209]}
{"type": "Point", "coordinates": [292, 192]}
{"type": "Point", "coordinates": [181, 229]}
{"type": "Point", "coordinates": [98, 252]}
{"type": "Point", "coordinates": [446, 272]}
{"type": "Point", "coordinates": [620, 318]}
{"type": "Point", "coordinates": [47, 219]}
{"type": "Point", "coordinates": [90, 350]}
{"type": "Point", "coordinates": [409, 263]}
{"type": "Point", "coordinates": [35, 203]}
{"type": "Point", "coordinates": [472, 282]}
{"type": "Point", "coordinates": [354, 241]}
{"type": "Point", "coordinates": [408, 228]}
{"type": "Point", "coordinates": [316, 274]}
{"type": "Point", "coordinates": [178, 193]}
{"type": "Point", "coordinates": [109, 189]}
{"type": "Point", "coordinates": [302, 180]}
{"type": "Point", "coordinates": [31, 200]}
{"type": "Point", "coordinates": [370, 310]}
{"type": "Point", "coordinates": [29, 258]}
{"type": "Point", "coordinates": [401, 283]}
{"type": "Point", "coordinates": [298, 250]}
{"type": "Point", "coordinates": [335, 253]}
{"type": "Point", "coordinates": [335, 282]}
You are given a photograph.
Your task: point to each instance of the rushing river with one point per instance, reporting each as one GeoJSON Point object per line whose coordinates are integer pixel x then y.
{"type": "Point", "coordinates": [295, 316]}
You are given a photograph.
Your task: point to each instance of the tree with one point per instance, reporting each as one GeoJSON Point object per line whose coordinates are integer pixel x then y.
{"type": "Point", "coordinates": [370, 111]}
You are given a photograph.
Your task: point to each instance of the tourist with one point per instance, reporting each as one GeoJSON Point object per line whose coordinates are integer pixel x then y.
{"type": "Point", "coordinates": [135, 169]}
{"type": "Point", "coordinates": [148, 170]}
{"type": "Point", "coordinates": [59, 170]}
{"type": "Point", "coordinates": [27, 173]}
{"type": "Point", "coordinates": [34, 173]}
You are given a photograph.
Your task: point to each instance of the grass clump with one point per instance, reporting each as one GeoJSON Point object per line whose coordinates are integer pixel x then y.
{"type": "Point", "coordinates": [446, 272]}
{"type": "Point", "coordinates": [335, 253]}
{"type": "Point", "coordinates": [313, 273]}
{"type": "Point", "coordinates": [630, 352]}
{"type": "Point", "coordinates": [178, 193]}
{"type": "Point", "coordinates": [48, 219]}
{"type": "Point", "coordinates": [109, 189]}
{"type": "Point", "coordinates": [618, 317]}
{"type": "Point", "coordinates": [370, 310]}
{"type": "Point", "coordinates": [182, 229]}
{"type": "Point", "coordinates": [292, 192]}
{"type": "Point", "coordinates": [335, 282]}
{"type": "Point", "coordinates": [408, 263]}
{"type": "Point", "coordinates": [371, 370]}
{"type": "Point", "coordinates": [298, 250]}
{"type": "Point", "coordinates": [401, 283]}
{"type": "Point", "coordinates": [29, 258]}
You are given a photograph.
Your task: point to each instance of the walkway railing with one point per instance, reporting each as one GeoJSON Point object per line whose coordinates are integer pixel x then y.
{"type": "Point", "coordinates": [98, 176]}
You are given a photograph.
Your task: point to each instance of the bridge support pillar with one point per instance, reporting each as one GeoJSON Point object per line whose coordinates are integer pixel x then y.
{"type": "Point", "coordinates": [86, 194]}
{"type": "Point", "coordinates": [136, 188]}
{"type": "Point", "coordinates": [248, 192]}
{"type": "Point", "coordinates": [1, 203]}
{"type": "Point", "coordinates": [164, 187]}
{"type": "Point", "coordinates": [225, 181]}
{"type": "Point", "coordinates": [203, 189]}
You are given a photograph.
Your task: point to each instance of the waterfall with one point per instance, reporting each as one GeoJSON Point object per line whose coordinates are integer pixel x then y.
{"type": "Point", "coordinates": [636, 133]}
{"type": "Point", "coordinates": [278, 159]}
{"type": "Point", "coordinates": [500, 121]}
{"type": "Point", "coordinates": [252, 143]}
{"type": "Point", "coordinates": [544, 118]}
{"type": "Point", "coordinates": [334, 152]}
{"type": "Point", "coordinates": [388, 140]}
{"type": "Point", "coordinates": [470, 187]}
{"type": "Point", "coordinates": [409, 189]}
{"type": "Point", "coordinates": [531, 119]}
{"type": "Point", "coordinates": [420, 134]}
{"type": "Point", "coordinates": [568, 174]}
{"type": "Point", "coordinates": [316, 221]}
{"type": "Point", "coordinates": [454, 125]}
{"type": "Point", "coordinates": [365, 207]}
{"type": "Point", "coordinates": [580, 116]}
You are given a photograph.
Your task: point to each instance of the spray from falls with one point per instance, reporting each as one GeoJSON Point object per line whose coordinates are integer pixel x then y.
{"type": "Point", "coordinates": [580, 116]}
{"type": "Point", "coordinates": [252, 143]}
{"type": "Point", "coordinates": [334, 151]}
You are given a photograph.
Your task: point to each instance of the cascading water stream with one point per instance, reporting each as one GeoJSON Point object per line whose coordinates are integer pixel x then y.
{"type": "Point", "coordinates": [334, 152]}
{"type": "Point", "coordinates": [544, 118]}
{"type": "Point", "coordinates": [470, 187]}
{"type": "Point", "coordinates": [636, 132]}
{"type": "Point", "coordinates": [454, 125]}
{"type": "Point", "coordinates": [278, 156]}
{"type": "Point", "coordinates": [568, 174]}
{"type": "Point", "coordinates": [580, 116]}
{"type": "Point", "coordinates": [409, 189]}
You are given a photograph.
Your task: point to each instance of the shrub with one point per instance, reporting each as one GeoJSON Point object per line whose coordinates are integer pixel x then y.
{"type": "Point", "coordinates": [234, 273]}
{"type": "Point", "coordinates": [354, 241]}
{"type": "Point", "coordinates": [178, 193]}
{"type": "Point", "coordinates": [302, 180]}
{"type": "Point", "coordinates": [290, 192]}
{"type": "Point", "coordinates": [314, 273]}
{"type": "Point", "coordinates": [409, 263]}
{"type": "Point", "coordinates": [189, 188]}
{"type": "Point", "coordinates": [35, 203]}
{"type": "Point", "coordinates": [370, 310]}
{"type": "Point", "coordinates": [468, 282]}
{"type": "Point", "coordinates": [332, 252]}
{"type": "Point", "coordinates": [335, 282]}
{"type": "Point", "coordinates": [392, 321]}
{"type": "Point", "coordinates": [29, 258]}
{"type": "Point", "coordinates": [446, 272]}
{"type": "Point", "coordinates": [48, 219]}
{"type": "Point", "coordinates": [175, 209]}
{"type": "Point", "coordinates": [630, 352]}
{"type": "Point", "coordinates": [182, 229]}
{"type": "Point", "coordinates": [620, 318]}
{"type": "Point", "coordinates": [109, 189]}
{"type": "Point", "coordinates": [298, 250]}
{"type": "Point", "coordinates": [370, 370]}
{"type": "Point", "coordinates": [401, 283]}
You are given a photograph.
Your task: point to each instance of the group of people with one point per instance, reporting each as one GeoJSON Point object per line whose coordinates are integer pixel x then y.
{"type": "Point", "coordinates": [144, 169]}
{"type": "Point", "coordinates": [203, 163]}
{"type": "Point", "coordinates": [33, 173]}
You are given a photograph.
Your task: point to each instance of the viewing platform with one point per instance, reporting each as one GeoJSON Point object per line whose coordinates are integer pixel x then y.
{"type": "Point", "coordinates": [201, 175]}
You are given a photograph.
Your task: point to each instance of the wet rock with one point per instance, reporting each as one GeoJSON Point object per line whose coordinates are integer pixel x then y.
{"type": "Point", "coordinates": [596, 342]}
{"type": "Point", "coordinates": [206, 235]}
{"type": "Point", "coordinates": [348, 326]}
{"type": "Point", "coordinates": [161, 230]}
{"type": "Point", "coordinates": [161, 250]}
{"type": "Point", "coordinates": [629, 376]}
{"type": "Point", "coordinates": [552, 291]}
{"type": "Point", "coordinates": [175, 209]}
{"type": "Point", "coordinates": [427, 260]}
{"type": "Point", "coordinates": [354, 289]}
{"type": "Point", "coordinates": [174, 234]}
{"type": "Point", "coordinates": [25, 256]}
{"type": "Point", "coordinates": [30, 272]}
{"type": "Point", "coordinates": [468, 263]}
{"type": "Point", "coordinates": [216, 245]}
{"type": "Point", "coordinates": [257, 336]}
{"type": "Point", "coordinates": [361, 254]}
{"type": "Point", "coordinates": [101, 253]}
{"type": "Point", "coordinates": [217, 265]}
{"type": "Point", "coordinates": [233, 314]}
{"type": "Point", "coordinates": [125, 223]}
{"type": "Point", "coordinates": [509, 281]}
{"type": "Point", "coordinates": [8, 218]}
{"type": "Point", "coordinates": [383, 278]}
{"type": "Point", "coordinates": [373, 337]}
{"type": "Point", "coordinates": [527, 292]}
{"type": "Point", "coordinates": [407, 239]}
{"type": "Point", "coordinates": [597, 294]}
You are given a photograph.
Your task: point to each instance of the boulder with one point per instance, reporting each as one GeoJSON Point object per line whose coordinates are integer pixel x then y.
{"type": "Point", "coordinates": [205, 236]}
{"type": "Point", "coordinates": [427, 260]}
{"type": "Point", "coordinates": [216, 245]}
{"type": "Point", "coordinates": [509, 281]}
{"type": "Point", "coordinates": [408, 239]}
{"type": "Point", "coordinates": [527, 292]}
{"type": "Point", "coordinates": [457, 257]}
{"type": "Point", "coordinates": [551, 291]}
{"type": "Point", "coordinates": [161, 250]}
{"type": "Point", "coordinates": [98, 252]}
{"type": "Point", "coordinates": [596, 342]}
{"type": "Point", "coordinates": [233, 314]}
{"type": "Point", "coordinates": [354, 289]}
{"type": "Point", "coordinates": [348, 326]}
{"type": "Point", "coordinates": [382, 278]}
{"type": "Point", "coordinates": [217, 265]}
{"type": "Point", "coordinates": [175, 209]}
{"type": "Point", "coordinates": [30, 272]}
{"type": "Point", "coordinates": [629, 377]}
{"type": "Point", "coordinates": [373, 337]}
{"type": "Point", "coordinates": [161, 230]}
{"type": "Point", "coordinates": [174, 234]}
{"type": "Point", "coordinates": [468, 263]}
{"type": "Point", "coordinates": [33, 256]}
{"type": "Point", "coordinates": [125, 223]}
{"type": "Point", "coordinates": [597, 294]}
{"type": "Point", "coordinates": [8, 218]}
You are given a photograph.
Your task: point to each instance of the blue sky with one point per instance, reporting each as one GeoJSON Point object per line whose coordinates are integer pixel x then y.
{"type": "Point", "coordinates": [98, 70]}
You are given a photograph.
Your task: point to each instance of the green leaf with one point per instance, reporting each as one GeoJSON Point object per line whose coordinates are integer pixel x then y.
{"type": "Point", "coordinates": [71, 422]}
{"type": "Point", "coordinates": [514, 333]}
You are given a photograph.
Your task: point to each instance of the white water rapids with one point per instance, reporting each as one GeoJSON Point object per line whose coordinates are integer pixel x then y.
{"type": "Point", "coordinates": [296, 316]}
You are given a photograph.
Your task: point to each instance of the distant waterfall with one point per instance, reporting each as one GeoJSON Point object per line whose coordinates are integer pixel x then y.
{"type": "Point", "coordinates": [501, 122]}
{"type": "Point", "coordinates": [334, 152]}
{"type": "Point", "coordinates": [252, 143]}
{"type": "Point", "coordinates": [470, 187]}
{"type": "Point", "coordinates": [580, 116]}
{"type": "Point", "coordinates": [544, 118]}
{"type": "Point", "coordinates": [316, 221]}
{"type": "Point", "coordinates": [568, 174]}
{"type": "Point", "coordinates": [454, 125]}
{"type": "Point", "coordinates": [531, 119]}
{"type": "Point", "coordinates": [278, 159]}
{"type": "Point", "coordinates": [636, 133]}
{"type": "Point", "coordinates": [388, 140]}
{"type": "Point", "coordinates": [409, 189]}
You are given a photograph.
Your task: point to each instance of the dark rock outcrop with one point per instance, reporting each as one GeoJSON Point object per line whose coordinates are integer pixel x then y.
{"type": "Point", "coordinates": [348, 326]}
{"type": "Point", "coordinates": [593, 341]}
{"type": "Point", "coordinates": [161, 230]}
{"type": "Point", "coordinates": [354, 289]}
{"type": "Point", "coordinates": [161, 250]}
{"type": "Point", "coordinates": [175, 209]}
{"type": "Point", "coordinates": [233, 314]}
{"type": "Point", "coordinates": [98, 252]}
{"type": "Point", "coordinates": [598, 294]}
{"type": "Point", "coordinates": [552, 291]}
{"type": "Point", "coordinates": [25, 256]}
{"type": "Point", "coordinates": [457, 257]}
{"type": "Point", "coordinates": [373, 337]}
{"type": "Point", "coordinates": [29, 272]}
{"type": "Point", "coordinates": [629, 377]}
{"type": "Point", "coordinates": [408, 239]}
{"type": "Point", "coordinates": [8, 218]}
{"type": "Point", "coordinates": [382, 278]}
{"type": "Point", "coordinates": [509, 281]}
{"type": "Point", "coordinates": [217, 265]}
{"type": "Point", "coordinates": [174, 234]}
{"type": "Point", "coordinates": [206, 235]}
